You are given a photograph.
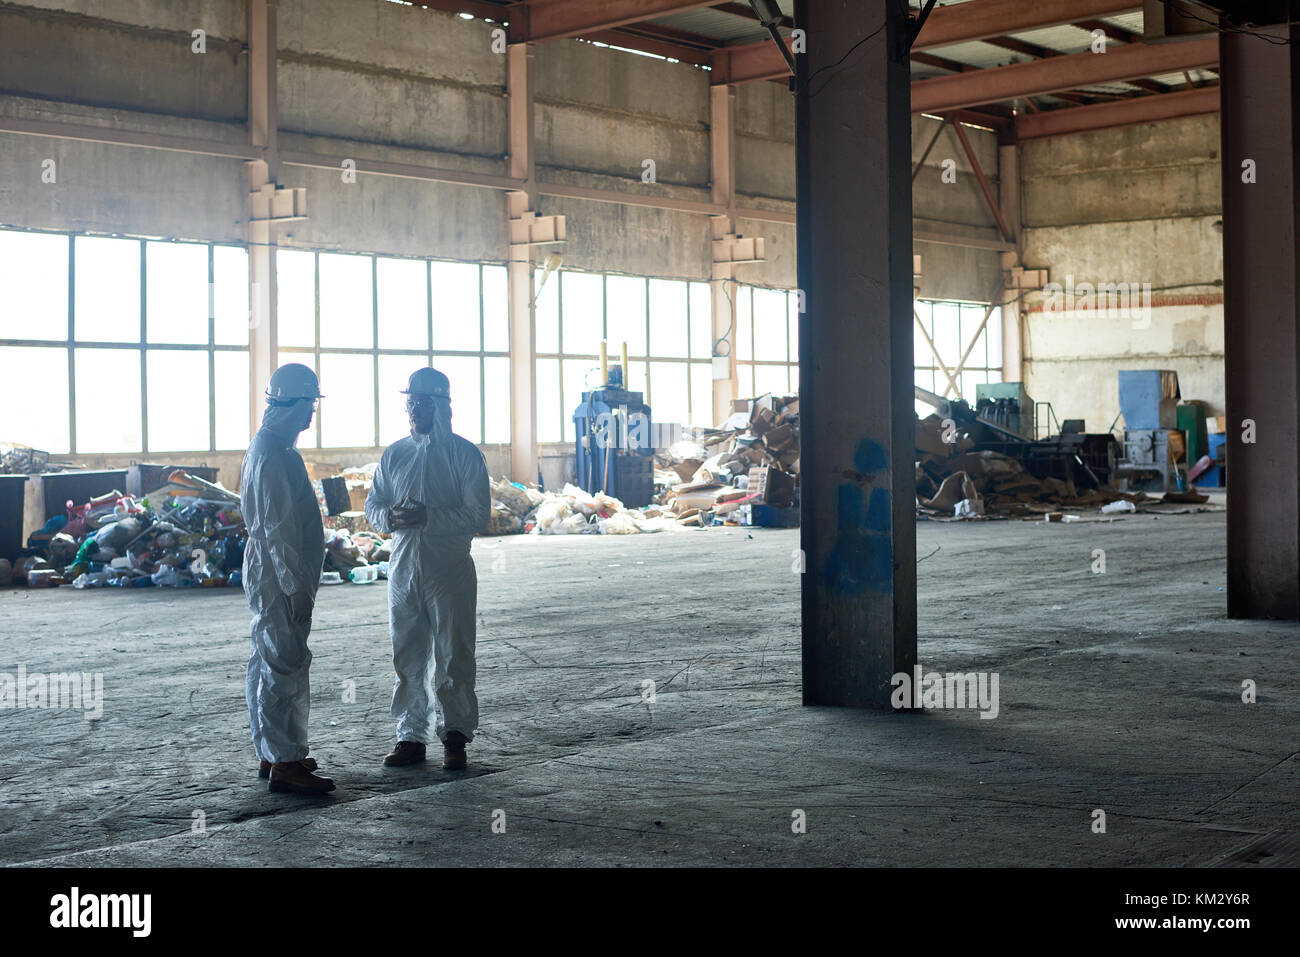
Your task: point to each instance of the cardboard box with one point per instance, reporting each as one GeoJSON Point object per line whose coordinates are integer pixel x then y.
{"type": "Point", "coordinates": [771, 486]}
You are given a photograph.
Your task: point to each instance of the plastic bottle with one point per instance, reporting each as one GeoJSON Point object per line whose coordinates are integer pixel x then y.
{"type": "Point", "coordinates": [363, 574]}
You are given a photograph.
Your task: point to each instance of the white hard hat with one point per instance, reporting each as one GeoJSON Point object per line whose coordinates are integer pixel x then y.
{"type": "Point", "coordinates": [293, 381]}
{"type": "Point", "coordinates": [428, 382]}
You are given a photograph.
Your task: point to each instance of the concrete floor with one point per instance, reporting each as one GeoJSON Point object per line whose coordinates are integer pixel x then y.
{"type": "Point", "coordinates": [1119, 691]}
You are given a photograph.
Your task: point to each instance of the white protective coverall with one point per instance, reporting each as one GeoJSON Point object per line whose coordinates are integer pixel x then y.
{"type": "Point", "coordinates": [432, 583]}
{"type": "Point", "coordinates": [284, 556]}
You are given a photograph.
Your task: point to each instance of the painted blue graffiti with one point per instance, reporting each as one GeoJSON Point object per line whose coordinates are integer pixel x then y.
{"type": "Point", "coordinates": [861, 557]}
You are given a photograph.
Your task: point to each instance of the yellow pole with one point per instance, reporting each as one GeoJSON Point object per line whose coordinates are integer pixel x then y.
{"type": "Point", "coordinates": [604, 364]}
{"type": "Point", "coordinates": [625, 379]}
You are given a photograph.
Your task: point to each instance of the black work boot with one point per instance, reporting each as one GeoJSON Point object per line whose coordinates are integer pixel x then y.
{"type": "Point", "coordinates": [264, 770]}
{"type": "Point", "coordinates": [406, 752]}
{"type": "Point", "coordinates": [294, 778]}
{"type": "Point", "coordinates": [453, 751]}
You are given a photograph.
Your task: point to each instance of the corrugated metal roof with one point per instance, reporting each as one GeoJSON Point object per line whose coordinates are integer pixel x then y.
{"type": "Point", "coordinates": [718, 24]}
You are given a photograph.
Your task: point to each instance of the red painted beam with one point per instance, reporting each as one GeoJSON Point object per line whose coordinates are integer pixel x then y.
{"type": "Point", "coordinates": [1129, 62]}
{"type": "Point", "coordinates": [749, 62]}
{"type": "Point", "coordinates": [1145, 109]}
{"type": "Point", "coordinates": [980, 19]}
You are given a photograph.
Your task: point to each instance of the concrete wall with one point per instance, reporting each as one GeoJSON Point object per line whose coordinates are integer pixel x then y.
{"type": "Point", "coordinates": [374, 80]}
{"type": "Point", "coordinates": [1136, 204]}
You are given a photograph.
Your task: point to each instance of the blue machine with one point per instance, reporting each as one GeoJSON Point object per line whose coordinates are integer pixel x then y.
{"type": "Point", "coordinates": [615, 452]}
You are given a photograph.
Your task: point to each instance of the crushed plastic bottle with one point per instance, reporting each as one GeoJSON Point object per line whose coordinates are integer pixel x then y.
{"type": "Point", "coordinates": [363, 574]}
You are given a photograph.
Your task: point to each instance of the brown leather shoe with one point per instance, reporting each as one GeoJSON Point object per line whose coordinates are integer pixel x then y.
{"type": "Point", "coordinates": [453, 751]}
{"type": "Point", "coordinates": [406, 752]}
{"type": "Point", "coordinates": [293, 777]}
{"type": "Point", "coordinates": [264, 769]}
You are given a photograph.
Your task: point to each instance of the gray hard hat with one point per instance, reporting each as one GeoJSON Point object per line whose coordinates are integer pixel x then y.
{"type": "Point", "coordinates": [293, 381]}
{"type": "Point", "coordinates": [428, 381]}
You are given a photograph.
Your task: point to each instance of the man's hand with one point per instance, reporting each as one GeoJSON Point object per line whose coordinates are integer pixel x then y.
{"type": "Point", "coordinates": [407, 515]}
{"type": "Point", "coordinates": [300, 607]}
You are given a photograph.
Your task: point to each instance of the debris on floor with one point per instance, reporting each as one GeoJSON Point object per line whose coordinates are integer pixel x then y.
{"type": "Point", "coordinates": [744, 472]}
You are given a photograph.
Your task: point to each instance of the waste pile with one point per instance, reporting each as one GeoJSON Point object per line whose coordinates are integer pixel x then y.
{"type": "Point", "coordinates": [955, 481]}
{"type": "Point", "coordinates": [744, 472]}
{"type": "Point", "coordinates": [186, 533]}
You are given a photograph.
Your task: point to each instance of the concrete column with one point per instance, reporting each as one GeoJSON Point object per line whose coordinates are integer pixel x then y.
{"type": "Point", "coordinates": [722, 159]}
{"type": "Point", "coordinates": [853, 149]}
{"type": "Point", "coordinates": [1260, 94]}
{"type": "Point", "coordinates": [519, 269]}
{"type": "Point", "coordinates": [263, 122]}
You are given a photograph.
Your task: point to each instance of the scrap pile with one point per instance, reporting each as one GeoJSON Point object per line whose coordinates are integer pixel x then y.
{"type": "Point", "coordinates": [745, 472]}
{"type": "Point", "coordinates": [955, 481]}
{"type": "Point", "coordinates": [571, 511]}
{"type": "Point", "coordinates": [187, 533]}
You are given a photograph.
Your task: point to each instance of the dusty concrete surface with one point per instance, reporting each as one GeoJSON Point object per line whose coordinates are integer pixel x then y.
{"type": "Point", "coordinates": [1118, 691]}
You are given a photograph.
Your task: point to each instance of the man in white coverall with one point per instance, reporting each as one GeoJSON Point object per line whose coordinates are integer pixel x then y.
{"type": "Point", "coordinates": [282, 566]}
{"type": "Point", "coordinates": [431, 492]}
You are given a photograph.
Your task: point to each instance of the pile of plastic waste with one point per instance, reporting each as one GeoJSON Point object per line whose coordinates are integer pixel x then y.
{"type": "Point", "coordinates": [573, 511]}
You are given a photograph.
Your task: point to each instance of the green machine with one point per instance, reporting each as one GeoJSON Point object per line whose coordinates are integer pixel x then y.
{"type": "Point", "coordinates": [1006, 404]}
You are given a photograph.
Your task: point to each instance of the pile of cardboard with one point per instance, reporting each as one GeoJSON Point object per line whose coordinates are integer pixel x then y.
{"type": "Point", "coordinates": [745, 471]}
{"type": "Point", "coordinates": [953, 481]}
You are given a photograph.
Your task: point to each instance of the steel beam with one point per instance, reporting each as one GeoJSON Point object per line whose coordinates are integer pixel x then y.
{"type": "Point", "coordinates": [1145, 109]}
{"type": "Point", "coordinates": [1261, 318]}
{"type": "Point", "coordinates": [263, 126]}
{"type": "Point", "coordinates": [963, 22]}
{"type": "Point", "coordinates": [749, 63]}
{"type": "Point", "coordinates": [853, 152]}
{"type": "Point", "coordinates": [983, 183]}
{"type": "Point", "coordinates": [1068, 72]}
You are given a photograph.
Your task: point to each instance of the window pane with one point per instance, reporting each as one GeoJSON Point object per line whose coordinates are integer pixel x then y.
{"type": "Point", "coordinates": [701, 394]}
{"type": "Point", "coordinates": [40, 376]}
{"type": "Point", "coordinates": [921, 352]}
{"type": "Point", "coordinates": [33, 287]}
{"type": "Point", "coordinates": [394, 371]}
{"type": "Point", "coordinates": [496, 396]}
{"type": "Point", "coordinates": [946, 334]}
{"type": "Point", "coordinates": [107, 291]}
{"type": "Point", "coordinates": [701, 320]}
{"type": "Point", "coordinates": [466, 399]}
{"type": "Point", "coordinates": [668, 392]}
{"type": "Point", "coordinates": [295, 277]}
{"type": "Point", "coordinates": [794, 380]}
{"type": "Point", "coordinates": [346, 302]}
{"type": "Point", "coordinates": [496, 310]}
{"type": "Point", "coordinates": [745, 381]}
{"type": "Point", "coordinates": [792, 310]}
{"type": "Point", "coordinates": [403, 303]}
{"type": "Point", "coordinates": [582, 304]}
{"type": "Point", "coordinates": [108, 400]}
{"type": "Point", "coordinates": [176, 298]}
{"type": "Point", "coordinates": [580, 375]}
{"type": "Point", "coordinates": [742, 328]}
{"type": "Point", "coordinates": [178, 400]}
{"type": "Point", "coordinates": [668, 326]}
{"type": "Point", "coordinates": [455, 306]}
{"type": "Point", "coordinates": [771, 339]}
{"type": "Point", "coordinates": [230, 302]}
{"type": "Point", "coordinates": [773, 379]}
{"type": "Point", "coordinates": [547, 313]}
{"type": "Point", "coordinates": [232, 400]}
{"type": "Point", "coordinates": [635, 378]}
{"type": "Point", "coordinates": [347, 415]}
{"type": "Point", "coordinates": [994, 332]}
{"type": "Point", "coordinates": [625, 314]}
{"type": "Point", "coordinates": [548, 400]}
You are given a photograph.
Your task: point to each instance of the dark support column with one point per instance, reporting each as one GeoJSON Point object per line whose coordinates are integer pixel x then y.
{"type": "Point", "coordinates": [1260, 84]}
{"type": "Point", "coordinates": [855, 351]}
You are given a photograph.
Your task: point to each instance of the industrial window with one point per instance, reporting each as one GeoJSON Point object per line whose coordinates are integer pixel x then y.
{"type": "Point", "coordinates": [124, 345]}
{"type": "Point", "coordinates": [666, 324]}
{"type": "Point", "coordinates": [964, 349]}
{"type": "Point", "coordinates": [767, 341]}
{"type": "Point", "coordinates": [365, 323]}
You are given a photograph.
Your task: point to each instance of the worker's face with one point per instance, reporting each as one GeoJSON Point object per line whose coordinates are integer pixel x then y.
{"type": "Point", "coordinates": [429, 413]}
{"type": "Point", "coordinates": [306, 410]}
